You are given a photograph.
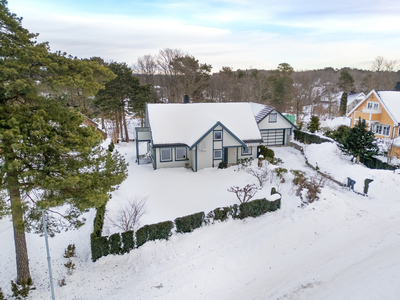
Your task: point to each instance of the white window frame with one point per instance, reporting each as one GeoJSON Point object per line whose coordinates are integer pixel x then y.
{"type": "Point", "coordinates": [184, 155]}
{"type": "Point", "coordinates": [248, 152]}
{"type": "Point", "coordinates": [164, 150]}
{"type": "Point", "coordinates": [373, 105]}
{"type": "Point", "coordinates": [273, 118]}
{"type": "Point", "coordinates": [215, 133]}
{"type": "Point", "coordinates": [217, 151]}
{"type": "Point", "coordinates": [385, 128]}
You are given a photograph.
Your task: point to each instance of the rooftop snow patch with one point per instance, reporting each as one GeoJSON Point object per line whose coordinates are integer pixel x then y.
{"type": "Point", "coordinates": [186, 123]}
{"type": "Point", "coordinates": [391, 99]}
{"type": "Point", "coordinates": [260, 110]}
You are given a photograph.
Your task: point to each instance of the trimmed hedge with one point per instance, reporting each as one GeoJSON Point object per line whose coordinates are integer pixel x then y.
{"type": "Point", "coordinates": [99, 220]}
{"type": "Point", "coordinates": [159, 231]}
{"type": "Point", "coordinates": [374, 163]}
{"type": "Point", "coordinates": [257, 208]}
{"type": "Point", "coordinates": [305, 137]}
{"type": "Point", "coordinates": [100, 246]}
{"type": "Point", "coordinates": [127, 241]}
{"type": "Point", "coordinates": [189, 223]}
{"type": "Point", "coordinates": [222, 213]}
{"type": "Point", "coordinates": [115, 243]}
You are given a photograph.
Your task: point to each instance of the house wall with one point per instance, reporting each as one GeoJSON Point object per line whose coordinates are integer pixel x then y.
{"type": "Point", "coordinates": [252, 155]}
{"type": "Point", "coordinates": [173, 163]}
{"type": "Point", "coordinates": [382, 117]}
{"type": "Point", "coordinates": [205, 152]}
{"type": "Point", "coordinates": [281, 123]}
{"type": "Point", "coordinates": [395, 151]}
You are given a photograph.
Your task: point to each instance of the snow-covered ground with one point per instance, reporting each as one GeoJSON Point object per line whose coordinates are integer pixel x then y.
{"type": "Point", "coordinates": [344, 246]}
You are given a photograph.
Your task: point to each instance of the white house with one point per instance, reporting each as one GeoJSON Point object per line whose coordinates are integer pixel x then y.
{"type": "Point", "coordinates": [202, 135]}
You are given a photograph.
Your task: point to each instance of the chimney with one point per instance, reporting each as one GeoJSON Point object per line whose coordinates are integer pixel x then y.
{"type": "Point", "coordinates": [397, 86]}
{"type": "Point", "coordinates": [186, 99]}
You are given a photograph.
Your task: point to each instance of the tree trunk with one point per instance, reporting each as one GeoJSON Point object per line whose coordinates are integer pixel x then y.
{"type": "Point", "coordinates": [125, 126]}
{"type": "Point", "coordinates": [21, 250]}
{"type": "Point", "coordinates": [358, 159]}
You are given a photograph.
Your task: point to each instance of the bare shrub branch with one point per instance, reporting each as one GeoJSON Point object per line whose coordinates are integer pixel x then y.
{"type": "Point", "coordinates": [244, 194]}
{"type": "Point", "coordinates": [128, 216]}
{"type": "Point", "coordinates": [261, 173]}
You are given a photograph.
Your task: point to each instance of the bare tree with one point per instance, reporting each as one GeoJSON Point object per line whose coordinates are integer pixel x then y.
{"type": "Point", "coordinates": [244, 194]}
{"type": "Point", "coordinates": [128, 216]}
{"type": "Point", "coordinates": [261, 173]}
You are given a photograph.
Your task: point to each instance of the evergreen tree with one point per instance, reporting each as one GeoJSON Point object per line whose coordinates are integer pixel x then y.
{"type": "Point", "coordinates": [360, 142]}
{"type": "Point", "coordinates": [346, 83]}
{"type": "Point", "coordinates": [281, 86]}
{"type": "Point", "coordinates": [47, 158]}
{"type": "Point", "coordinates": [314, 124]}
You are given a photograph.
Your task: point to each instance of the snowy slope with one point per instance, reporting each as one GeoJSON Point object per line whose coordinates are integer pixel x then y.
{"type": "Point", "coordinates": [344, 246]}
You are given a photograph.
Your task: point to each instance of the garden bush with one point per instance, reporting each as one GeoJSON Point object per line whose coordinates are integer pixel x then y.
{"type": "Point", "coordinates": [99, 220]}
{"type": "Point", "coordinates": [339, 133]}
{"type": "Point", "coordinates": [127, 241]}
{"type": "Point", "coordinates": [115, 243]}
{"type": "Point", "coordinates": [100, 246]}
{"type": "Point", "coordinates": [257, 208]}
{"type": "Point", "coordinates": [189, 223]}
{"type": "Point", "coordinates": [222, 213]}
{"type": "Point", "coordinates": [307, 138]}
{"type": "Point", "coordinates": [159, 231]}
{"type": "Point", "coordinates": [266, 152]}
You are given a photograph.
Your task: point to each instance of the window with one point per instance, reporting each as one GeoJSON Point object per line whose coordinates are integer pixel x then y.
{"type": "Point", "coordinates": [378, 129]}
{"type": "Point", "coordinates": [385, 130]}
{"type": "Point", "coordinates": [217, 154]}
{"type": "Point", "coordinates": [180, 153]}
{"type": "Point", "coordinates": [273, 118]}
{"type": "Point", "coordinates": [246, 151]}
{"type": "Point", "coordinates": [373, 105]}
{"type": "Point", "coordinates": [166, 154]}
{"type": "Point", "coordinates": [217, 135]}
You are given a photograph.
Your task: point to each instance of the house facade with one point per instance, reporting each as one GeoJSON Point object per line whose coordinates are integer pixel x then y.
{"type": "Point", "coordinates": [202, 135]}
{"type": "Point", "coordinates": [381, 111]}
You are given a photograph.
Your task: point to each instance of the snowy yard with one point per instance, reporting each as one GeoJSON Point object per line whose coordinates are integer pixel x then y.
{"type": "Point", "coordinates": [344, 246]}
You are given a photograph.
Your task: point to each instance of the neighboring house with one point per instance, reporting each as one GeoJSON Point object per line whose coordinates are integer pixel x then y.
{"type": "Point", "coordinates": [275, 128]}
{"type": "Point", "coordinates": [354, 98]}
{"type": "Point", "coordinates": [90, 122]}
{"type": "Point", "coordinates": [381, 111]}
{"type": "Point", "coordinates": [202, 135]}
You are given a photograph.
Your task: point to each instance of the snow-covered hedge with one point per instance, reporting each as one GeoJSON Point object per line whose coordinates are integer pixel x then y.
{"type": "Point", "coordinates": [308, 138]}
{"type": "Point", "coordinates": [189, 223]}
{"type": "Point", "coordinates": [159, 231]}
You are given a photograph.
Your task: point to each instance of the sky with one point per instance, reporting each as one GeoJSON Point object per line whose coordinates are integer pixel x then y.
{"type": "Point", "coordinates": [241, 34]}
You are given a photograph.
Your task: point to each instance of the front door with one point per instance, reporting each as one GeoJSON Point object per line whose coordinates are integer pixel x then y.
{"type": "Point", "coordinates": [232, 156]}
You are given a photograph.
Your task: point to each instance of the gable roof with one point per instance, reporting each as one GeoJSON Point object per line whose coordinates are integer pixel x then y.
{"type": "Point", "coordinates": [260, 111]}
{"type": "Point", "coordinates": [351, 96]}
{"type": "Point", "coordinates": [177, 123]}
{"type": "Point", "coordinates": [390, 100]}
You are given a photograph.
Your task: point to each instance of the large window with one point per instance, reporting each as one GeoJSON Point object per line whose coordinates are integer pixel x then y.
{"type": "Point", "coordinates": [385, 130]}
{"type": "Point", "coordinates": [246, 151]}
{"type": "Point", "coordinates": [373, 105]}
{"type": "Point", "coordinates": [217, 154]}
{"type": "Point", "coordinates": [180, 153]}
{"type": "Point", "coordinates": [166, 154]}
{"type": "Point", "coordinates": [382, 129]}
{"type": "Point", "coordinates": [273, 118]}
{"type": "Point", "coordinates": [217, 135]}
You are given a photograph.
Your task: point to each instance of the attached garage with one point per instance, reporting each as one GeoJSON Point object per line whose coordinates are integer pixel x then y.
{"type": "Point", "coordinates": [273, 137]}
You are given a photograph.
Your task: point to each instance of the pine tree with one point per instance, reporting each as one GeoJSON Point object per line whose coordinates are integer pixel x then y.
{"type": "Point", "coordinates": [346, 83]}
{"type": "Point", "coordinates": [47, 158]}
{"type": "Point", "coordinates": [314, 124]}
{"type": "Point", "coordinates": [360, 142]}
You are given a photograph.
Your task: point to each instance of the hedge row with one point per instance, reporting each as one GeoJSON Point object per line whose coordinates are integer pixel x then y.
{"type": "Point", "coordinates": [308, 138]}
{"type": "Point", "coordinates": [125, 242]}
{"type": "Point", "coordinates": [374, 163]}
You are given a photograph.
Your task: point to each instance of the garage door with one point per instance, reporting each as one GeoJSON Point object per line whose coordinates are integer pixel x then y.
{"type": "Point", "coordinates": [273, 137]}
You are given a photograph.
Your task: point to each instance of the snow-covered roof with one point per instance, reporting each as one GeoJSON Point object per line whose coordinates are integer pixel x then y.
{"type": "Point", "coordinates": [351, 96]}
{"type": "Point", "coordinates": [186, 123]}
{"type": "Point", "coordinates": [391, 99]}
{"type": "Point", "coordinates": [260, 110]}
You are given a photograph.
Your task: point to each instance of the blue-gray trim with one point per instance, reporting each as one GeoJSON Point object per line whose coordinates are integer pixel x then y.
{"type": "Point", "coordinates": [211, 129]}
{"type": "Point", "coordinates": [170, 149]}
{"type": "Point", "coordinates": [215, 131]}
{"type": "Point", "coordinates": [195, 154]}
{"type": "Point", "coordinates": [221, 154]}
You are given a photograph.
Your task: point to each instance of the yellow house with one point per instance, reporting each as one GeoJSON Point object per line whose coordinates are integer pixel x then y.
{"type": "Point", "coordinates": [381, 111]}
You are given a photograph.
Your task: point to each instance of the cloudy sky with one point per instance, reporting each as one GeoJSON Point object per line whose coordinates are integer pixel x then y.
{"type": "Point", "coordinates": [242, 34]}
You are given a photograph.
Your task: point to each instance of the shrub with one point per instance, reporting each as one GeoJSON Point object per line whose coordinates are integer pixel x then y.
{"type": "Point", "coordinates": [115, 243]}
{"type": "Point", "coordinates": [70, 251]}
{"type": "Point", "coordinates": [1, 295]}
{"type": "Point", "coordinates": [266, 152]}
{"type": "Point", "coordinates": [127, 217]}
{"type": "Point", "coordinates": [261, 173]}
{"type": "Point", "coordinates": [244, 162]}
{"type": "Point", "coordinates": [307, 138]}
{"type": "Point", "coordinates": [127, 241]}
{"type": "Point", "coordinates": [280, 172]}
{"type": "Point", "coordinates": [222, 213]}
{"type": "Point", "coordinates": [21, 290]}
{"type": "Point", "coordinates": [159, 231]}
{"type": "Point", "coordinates": [70, 267]}
{"type": "Point", "coordinates": [189, 223]}
{"type": "Point", "coordinates": [100, 246]}
{"type": "Point", "coordinates": [222, 165]}
{"type": "Point", "coordinates": [257, 208]}
{"type": "Point", "coordinates": [339, 134]}
{"type": "Point", "coordinates": [244, 194]}
{"type": "Point", "coordinates": [314, 124]}
{"type": "Point", "coordinates": [61, 282]}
